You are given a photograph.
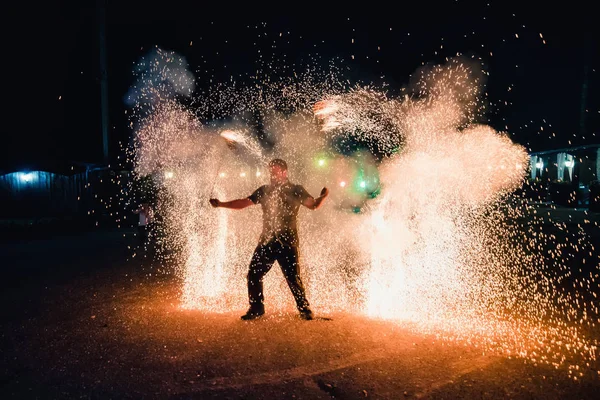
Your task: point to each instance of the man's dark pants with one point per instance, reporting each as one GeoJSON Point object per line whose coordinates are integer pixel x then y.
{"type": "Point", "coordinates": [264, 257]}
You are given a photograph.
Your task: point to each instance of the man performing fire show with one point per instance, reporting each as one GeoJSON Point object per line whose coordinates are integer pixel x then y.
{"type": "Point", "coordinates": [280, 201]}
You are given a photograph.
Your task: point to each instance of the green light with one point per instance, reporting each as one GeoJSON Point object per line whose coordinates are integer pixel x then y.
{"type": "Point", "coordinates": [363, 184]}
{"type": "Point", "coordinates": [321, 162]}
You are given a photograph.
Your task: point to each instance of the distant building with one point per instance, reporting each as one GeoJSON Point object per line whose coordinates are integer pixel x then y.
{"type": "Point", "coordinates": [579, 165]}
{"type": "Point", "coordinates": [70, 190]}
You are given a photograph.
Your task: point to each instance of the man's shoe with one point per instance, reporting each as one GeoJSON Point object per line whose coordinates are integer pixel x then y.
{"type": "Point", "coordinates": [306, 315]}
{"type": "Point", "coordinates": [253, 313]}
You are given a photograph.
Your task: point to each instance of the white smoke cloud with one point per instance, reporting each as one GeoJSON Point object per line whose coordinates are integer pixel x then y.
{"type": "Point", "coordinates": [160, 75]}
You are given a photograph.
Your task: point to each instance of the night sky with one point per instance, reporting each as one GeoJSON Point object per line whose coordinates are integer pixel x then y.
{"type": "Point", "coordinates": [51, 61]}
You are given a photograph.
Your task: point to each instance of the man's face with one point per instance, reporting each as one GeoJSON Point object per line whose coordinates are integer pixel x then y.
{"type": "Point", "coordinates": [278, 174]}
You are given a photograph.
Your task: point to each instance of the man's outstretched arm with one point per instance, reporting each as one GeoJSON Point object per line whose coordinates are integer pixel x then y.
{"type": "Point", "coordinates": [239, 204]}
{"type": "Point", "coordinates": [314, 204]}
{"type": "Point", "coordinates": [233, 204]}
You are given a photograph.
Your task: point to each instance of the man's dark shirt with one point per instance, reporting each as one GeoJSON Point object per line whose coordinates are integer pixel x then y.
{"type": "Point", "coordinates": [280, 205]}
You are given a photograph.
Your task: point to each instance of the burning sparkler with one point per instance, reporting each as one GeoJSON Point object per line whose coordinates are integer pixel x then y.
{"type": "Point", "coordinates": [231, 136]}
{"type": "Point", "coordinates": [325, 111]}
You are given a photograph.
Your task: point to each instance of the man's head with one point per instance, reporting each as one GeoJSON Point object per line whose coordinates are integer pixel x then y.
{"type": "Point", "coordinates": [278, 169]}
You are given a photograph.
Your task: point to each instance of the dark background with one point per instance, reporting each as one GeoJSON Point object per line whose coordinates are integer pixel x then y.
{"type": "Point", "coordinates": [51, 73]}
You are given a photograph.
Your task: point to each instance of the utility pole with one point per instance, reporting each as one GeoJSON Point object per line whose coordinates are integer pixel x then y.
{"type": "Point", "coordinates": [101, 13]}
{"type": "Point", "coordinates": [587, 51]}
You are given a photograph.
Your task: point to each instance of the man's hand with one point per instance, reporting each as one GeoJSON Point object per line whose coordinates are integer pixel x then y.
{"type": "Point", "coordinates": [215, 203]}
{"type": "Point", "coordinates": [314, 204]}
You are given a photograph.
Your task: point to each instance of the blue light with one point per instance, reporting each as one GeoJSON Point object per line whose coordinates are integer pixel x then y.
{"type": "Point", "coordinates": [26, 176]}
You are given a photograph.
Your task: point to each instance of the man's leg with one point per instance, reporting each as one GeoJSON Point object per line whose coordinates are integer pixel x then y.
{"type": "Point", "coordinates": [262, 261]}
{"type": "Point", "coordinates": [289, 260]}
{"type": "Point", "coordinates": [142, 233]}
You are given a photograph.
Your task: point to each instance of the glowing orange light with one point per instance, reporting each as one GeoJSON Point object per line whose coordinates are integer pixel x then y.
{"type": "Point", "coordinates": [230, 135]}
